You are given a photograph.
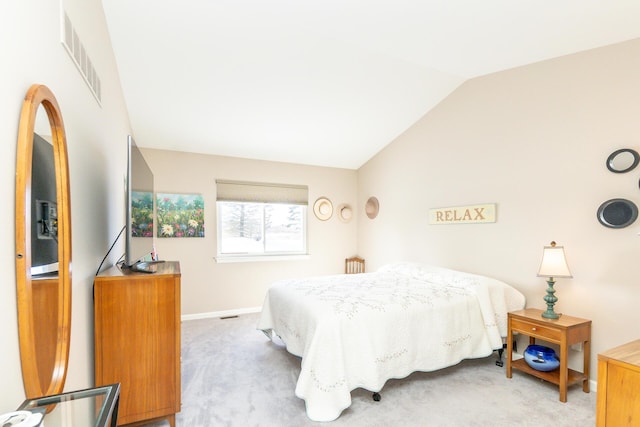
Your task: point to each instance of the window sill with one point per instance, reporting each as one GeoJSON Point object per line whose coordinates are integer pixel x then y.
{"type": "Point", "coordinates": [260, 258]}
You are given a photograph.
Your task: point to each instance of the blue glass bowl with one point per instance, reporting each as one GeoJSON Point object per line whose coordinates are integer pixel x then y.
{"type": "Point", "coordinates": [541, 358]}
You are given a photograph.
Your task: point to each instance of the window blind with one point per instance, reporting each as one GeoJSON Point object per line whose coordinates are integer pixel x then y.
{"type": "Point", "coordinates": [240, 191]}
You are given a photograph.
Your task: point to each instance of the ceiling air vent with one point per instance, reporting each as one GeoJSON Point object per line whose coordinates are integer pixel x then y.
{"type": "Point", "coordinates": [73, 45]}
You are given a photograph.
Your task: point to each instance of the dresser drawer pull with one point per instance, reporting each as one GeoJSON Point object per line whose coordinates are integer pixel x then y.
{"type": "Point", "coordinates": [534, 329]}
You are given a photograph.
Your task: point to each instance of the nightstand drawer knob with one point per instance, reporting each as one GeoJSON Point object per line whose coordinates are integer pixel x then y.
{"type": "Point", "coordinates": [534, 329]}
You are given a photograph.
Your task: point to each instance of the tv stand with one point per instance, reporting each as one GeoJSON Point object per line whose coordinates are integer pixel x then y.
{"type": "Point", "coordinates": [137, 340]}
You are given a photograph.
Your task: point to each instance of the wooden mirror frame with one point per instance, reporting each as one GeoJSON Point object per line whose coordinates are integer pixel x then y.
{"type": "Point", "coordinates": [42, 374]}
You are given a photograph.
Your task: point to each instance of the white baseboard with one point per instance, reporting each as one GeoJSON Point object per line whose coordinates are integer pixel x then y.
{"type": "Point", "coordinates": [217, 314]}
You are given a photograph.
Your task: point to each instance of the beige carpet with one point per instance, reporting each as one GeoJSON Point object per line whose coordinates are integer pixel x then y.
{"type": "Point", "coordinates": [232, 375]}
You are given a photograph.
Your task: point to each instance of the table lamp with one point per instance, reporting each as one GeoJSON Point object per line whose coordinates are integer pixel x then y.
{"type": "Point", "coordinates": [554, 264]}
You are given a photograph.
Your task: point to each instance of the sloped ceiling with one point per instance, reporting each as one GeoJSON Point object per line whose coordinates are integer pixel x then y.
{"type": "Point", "coordinates": [329, 82]}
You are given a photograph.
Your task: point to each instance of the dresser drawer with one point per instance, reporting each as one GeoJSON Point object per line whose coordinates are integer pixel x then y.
{"type": "Point", "coordinates": [535, 330]}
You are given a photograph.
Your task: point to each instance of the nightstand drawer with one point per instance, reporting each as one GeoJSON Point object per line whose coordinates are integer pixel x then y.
{"type": "Point", "coordinates": [535, 330]}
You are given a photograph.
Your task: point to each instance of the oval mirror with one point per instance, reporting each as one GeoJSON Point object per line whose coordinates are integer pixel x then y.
{"type": "Point", "coordinates": [43, 244]}
{"type": "Point", "coordinates": [623, 160]}
{"type": "Point", "coordinates": [617, 213]}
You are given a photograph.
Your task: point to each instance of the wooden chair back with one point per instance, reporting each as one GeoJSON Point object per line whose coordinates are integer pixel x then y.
{"type": "Point", "coordinates": [354, 265]}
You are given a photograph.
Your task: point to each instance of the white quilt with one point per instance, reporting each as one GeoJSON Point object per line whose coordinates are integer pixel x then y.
{"type": "Point", "coordinates": [360, 330]}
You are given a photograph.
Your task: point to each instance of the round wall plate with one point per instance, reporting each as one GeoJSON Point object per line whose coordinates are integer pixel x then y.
{"type": "Point", "coordinates": [323, 208]}
{"type": "Point", "coordinates": [372, 207]}
{"type": "Point", "coordinates": [617, 213]}
{"type": "Point", "coordinates": [344, 212]}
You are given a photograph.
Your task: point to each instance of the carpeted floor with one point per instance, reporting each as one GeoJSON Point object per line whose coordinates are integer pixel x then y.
{"type": "Point", "coordinates": [232, 375]}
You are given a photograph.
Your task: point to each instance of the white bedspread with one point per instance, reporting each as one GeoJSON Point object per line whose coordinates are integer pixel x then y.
{"type": "Point", "coordinates": [360, 330]}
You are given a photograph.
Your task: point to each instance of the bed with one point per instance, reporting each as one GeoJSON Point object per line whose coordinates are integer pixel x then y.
{"type": "Point", "coordinates": [359, 330]}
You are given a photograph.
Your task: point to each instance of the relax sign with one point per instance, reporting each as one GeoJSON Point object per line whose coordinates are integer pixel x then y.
{"type": "Point", "coordinates": [463, 214]}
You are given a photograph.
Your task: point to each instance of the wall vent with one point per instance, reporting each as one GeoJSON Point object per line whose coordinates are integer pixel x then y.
{"type": "Point", "coordinates": [75, 49]}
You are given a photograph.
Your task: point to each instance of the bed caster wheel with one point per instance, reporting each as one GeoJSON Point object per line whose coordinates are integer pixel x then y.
{"type": "Point", "coordinates": [377, 397]}
{"type": "Point", "coordinates": [499, 363]}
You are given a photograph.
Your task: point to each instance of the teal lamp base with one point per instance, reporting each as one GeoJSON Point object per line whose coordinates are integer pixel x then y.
{"type": "Point", "coordinates": [550, 299]}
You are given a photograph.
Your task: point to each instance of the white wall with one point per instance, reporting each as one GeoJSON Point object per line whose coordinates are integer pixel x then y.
{"type": "Point", "coordinates": [208, 286]}
{"type": "Point", "coordinates": [533, 140]}
{"type": "Point", "coordinates": [31, 53]}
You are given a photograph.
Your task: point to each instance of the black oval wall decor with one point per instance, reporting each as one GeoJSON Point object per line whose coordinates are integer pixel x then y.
{"type": "Point", "coordinates": [617, 213]}
{"type": "Point", "coordinates": [623, 160]}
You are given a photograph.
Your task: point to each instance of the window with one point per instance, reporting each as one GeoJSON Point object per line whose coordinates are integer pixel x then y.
{"type": "Point", "coordinates": [257, 219]}
{"type": "Point", "coordinates": [261, 228]}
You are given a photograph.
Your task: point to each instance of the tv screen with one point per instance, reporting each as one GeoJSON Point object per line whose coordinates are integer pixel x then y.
{"type": "Point", "coordinates": [44, 212]}
{"type": "Point", "coordinates": [139, 207]}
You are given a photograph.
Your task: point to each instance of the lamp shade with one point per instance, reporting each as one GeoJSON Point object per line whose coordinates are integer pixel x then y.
{"type": "Point", "coordinates": [554, 263]}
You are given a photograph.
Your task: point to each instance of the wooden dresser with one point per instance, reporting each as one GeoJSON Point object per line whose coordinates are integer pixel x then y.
{"type": "Point", "coordinates": [618, 386]}
{"type": "Point", "coordinates": [137, 340]}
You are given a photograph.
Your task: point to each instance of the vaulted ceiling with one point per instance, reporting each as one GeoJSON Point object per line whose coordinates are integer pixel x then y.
{"type": "Point", "coordinates": [329, 82]}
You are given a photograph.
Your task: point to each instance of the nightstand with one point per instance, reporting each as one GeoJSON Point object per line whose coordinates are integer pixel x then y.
{"type": "Point", "coordinates": [565, 332]}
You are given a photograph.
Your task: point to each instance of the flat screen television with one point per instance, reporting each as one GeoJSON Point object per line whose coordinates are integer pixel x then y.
{"type": "Point", "coordinates": [44, 216]}
{"type": "Point", "coordinates": [139, 204]}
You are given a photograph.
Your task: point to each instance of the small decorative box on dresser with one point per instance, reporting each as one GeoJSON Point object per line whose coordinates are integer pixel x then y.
{"type": "Point", "coordinates": [137, 340]}
{"type": "Point", "coordinates": [619, 386]}
{"type": "Point", "coordinates": [565, 332]}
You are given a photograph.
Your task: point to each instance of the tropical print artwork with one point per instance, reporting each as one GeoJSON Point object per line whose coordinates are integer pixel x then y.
{"type": "Point", "coordinates": [180, 215]}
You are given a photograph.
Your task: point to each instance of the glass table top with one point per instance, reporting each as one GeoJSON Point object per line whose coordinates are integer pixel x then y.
{"type": "Point", "coordinates": [91, 407]}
